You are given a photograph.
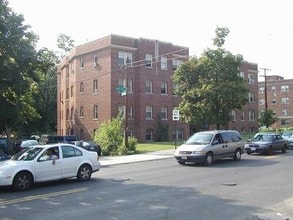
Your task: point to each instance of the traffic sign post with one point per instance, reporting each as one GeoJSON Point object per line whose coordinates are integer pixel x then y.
{"type": "Point", "coordinates": [176, 117]}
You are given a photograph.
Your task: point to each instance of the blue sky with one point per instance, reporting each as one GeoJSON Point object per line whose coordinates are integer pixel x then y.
{"type": "Point", "coordinates": [262, 31]}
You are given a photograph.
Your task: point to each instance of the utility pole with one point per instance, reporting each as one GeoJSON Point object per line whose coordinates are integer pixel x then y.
{"type": "Point", "coordinates": [266, 91]}
{"type": "Point", "coordinates": [126, 105]}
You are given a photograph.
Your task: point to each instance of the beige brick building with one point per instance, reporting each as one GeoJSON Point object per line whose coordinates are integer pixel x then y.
{"type": "Point", "coordinates": [279, 99]}
{"type": "Point", "coordinates": [92, 75]}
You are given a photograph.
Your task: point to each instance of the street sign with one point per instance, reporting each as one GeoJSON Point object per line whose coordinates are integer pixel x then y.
{"type": "Point", "coordinates": [122, 90]}
{"type": "Point", "coordinates": [176, 115]}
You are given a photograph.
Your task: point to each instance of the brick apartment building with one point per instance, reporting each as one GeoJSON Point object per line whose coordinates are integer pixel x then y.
{"type": "Point", "coordinates": [93, 76]}
{"type": "Point", "coordinates": [279, 99]}
{"type": "Point", "coordinates": [246, 120]}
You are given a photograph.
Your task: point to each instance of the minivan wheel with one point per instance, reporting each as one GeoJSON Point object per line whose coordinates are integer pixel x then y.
{"type": "Point", "coordinates": [208, 159]}
{"type": "Point", "coordinates": [237, 155]}
{"type": "Point", "coordinates": [181, 162]}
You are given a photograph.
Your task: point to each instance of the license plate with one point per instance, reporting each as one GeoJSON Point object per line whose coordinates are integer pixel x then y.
{"type": "Point", "coordinates": [252, 148]}
{"type": "Point", "coordinates": [184, 158]}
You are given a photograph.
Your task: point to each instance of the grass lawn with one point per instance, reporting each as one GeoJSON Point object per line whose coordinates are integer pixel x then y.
{"type": "Point", "coordinates": [155, 146]}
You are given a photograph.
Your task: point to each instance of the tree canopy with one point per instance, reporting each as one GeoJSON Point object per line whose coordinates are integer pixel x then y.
{"type": "Point", "coordinates": [27, 77]}
{"type": "Point", "coordinates": [267, 118]}
{"type": "Point", "coordinates": [210, 86]}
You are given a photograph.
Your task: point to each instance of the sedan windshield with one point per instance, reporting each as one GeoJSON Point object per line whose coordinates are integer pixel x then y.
{"type": "Point", "coordinates": [200, 139]}
{"type": "Point", "coordinates": [27, 154]}
{"type": "Point", "coordinates": [263, 138]}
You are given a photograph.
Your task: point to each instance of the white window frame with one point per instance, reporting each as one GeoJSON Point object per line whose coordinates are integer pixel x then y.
{"type": "Point", "coordinates": [164, 113]}
{"type": "Point", "coordinates": [148, 60]}
{"type": "Point", "coordinates": [123, 57]}
{"type": "Point", "coordinates": [149, 112]}
{"type": "Point", "coordinates": [285, 88]}
{"type": "Point", "coordinates": [149, 86]}
{"type": "Point", "coordinates": [164, 63]}
{"type": "Point", "coordinates": [164, 88]}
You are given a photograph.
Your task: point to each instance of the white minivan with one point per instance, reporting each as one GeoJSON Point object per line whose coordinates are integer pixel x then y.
{"type": "Point", "coordinates": [208, 146]}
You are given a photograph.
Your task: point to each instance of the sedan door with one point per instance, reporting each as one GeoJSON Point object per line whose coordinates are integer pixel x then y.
{"type": "Point", "coordinates": [48, 168]}
{"type": "Point", "coordinates": [71, 160]}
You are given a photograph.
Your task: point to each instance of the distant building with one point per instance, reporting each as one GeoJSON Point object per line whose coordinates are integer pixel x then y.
{"type": "Point", "coordinates": [92, 81]}
{"type": "Point", "coordinates": [246, 120]}
{"type": "Point", "coordinates": [279, 99]}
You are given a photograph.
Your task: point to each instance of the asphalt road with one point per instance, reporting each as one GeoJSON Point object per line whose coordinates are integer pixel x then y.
{"type": "Point", "coordinates": [258, 187]}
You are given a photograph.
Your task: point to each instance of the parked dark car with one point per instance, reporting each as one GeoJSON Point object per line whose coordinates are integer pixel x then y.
{"type": "Point", "coordinates": [53, 139]}
{"type": "Point", "coordinates": [290, 141]}
{"type": "Point", "coordinates": [266, 143]}
{"type": "Point", "coordinates": [89, 145]}
{"type": "Point", "coordinates": [25, 144]}
{"type": "Point", "coordinates": [3, 155]}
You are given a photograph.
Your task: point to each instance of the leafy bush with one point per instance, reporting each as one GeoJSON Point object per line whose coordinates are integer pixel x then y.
{"type": "Point", "coordinates": [132, 142]}
{"type": "Point", "coordinates": [109, 136]}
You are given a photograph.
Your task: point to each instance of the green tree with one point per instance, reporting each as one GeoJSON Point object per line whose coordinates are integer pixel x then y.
{"type": "Point", "coordinates": [267, 118]}
{"type": "Point", "coordinates": [65, 44]}
{"type": "Point", "coordinates": [17, 75]}
{"type": "Point", "coordinates": [210, 86]}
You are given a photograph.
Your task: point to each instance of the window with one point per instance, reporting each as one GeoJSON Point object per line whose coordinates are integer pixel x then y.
{"type": "Point", "coordinates": [164, 113]}
{"type": "Point", "coordinates": [241, 74]}
{"type": "Point", "coordinates": [67, 73]}
{"type": "Point", "coordinates": [81, 87]}
{"type": "Point", "coordinates": [273, 100]}
{"type": "Point", "coordinates": [251, 97]}
{"type": "Point", "coordinates": [67, 93]}
{"type": "Point", "coordinates": [122, 83]}
{"type": "Point", "coordinates": [164, 63]}
{"type": "Point", "coordinates": [130, 86]}
{"type": "Point", "coordinates": [164, 88]}
{"type": "Point", "coordinates": [72, 91]}
{"type": "Point", "coordinates": [176, 63]}
{"type": "Point", "coordinates": [96, 115]}
{"type": "Point", "coordinates": [233, 115]}
{"type": "Point", "coordinates": [285, 122]}
{"type": "Point", "coordinates": [242, 116]}
{"type": "Point", "coordinates": [81, 113]}
{"type": "Point", "coordinates": [72, 113]}
{"type": "Point", "coordinates": [149, 134]}
{"type": "Point", "coordinates": [175, 88]}
{"type": "Point", "coordinates": [251, 116]}
{"type": "Point", "coordinates": [96, 61]}
{"type": "Point", "coordinates": [285, 88]}
{"type": "Point", "coordinates": [261, 102]}
{"type": "Point", "coordinates": [69, 151]}
{"type": "Point", "coordinates": [261, 89]}
{"type": "Point", "coordinates": [178, 134]}
{"type": "Point", "coordinates": [121, 110]}
{"type": "Point", "coordinates": [251, 78]}
{"type": "Point", "coordinates": [149, 86]}
{"type": "Point", "coordinates": [285, 101]}
{"type": "Point", "coordinates": [95, 86]}
{"type": "Point", "coordinates": [273, 88]}
{"type": "Point", "coordinates": [284, 111]}
{"type": "Point", "coordinates": [81, 64]}
{"type": "Point", "coordinates": [148, 112]}
{"type": "Point", "coordinates": [124, 58]}
{"type": "Point", "coordinates": [67, 114]}
{"type": "Point", "coordinates": [148, 60]}
{"type": "Point", "coordinates": [72, 68]}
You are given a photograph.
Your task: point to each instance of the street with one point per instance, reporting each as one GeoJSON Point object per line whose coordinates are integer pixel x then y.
{"type": "Point", "coordinates": [259, 187]}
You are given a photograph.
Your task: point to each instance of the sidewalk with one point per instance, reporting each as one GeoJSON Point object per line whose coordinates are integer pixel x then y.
{"type": "Point", "coordinates": [157, 155]}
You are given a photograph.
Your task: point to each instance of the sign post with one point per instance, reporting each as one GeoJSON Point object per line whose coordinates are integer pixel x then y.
{"type": "Point", "coordinates": [176, 117]}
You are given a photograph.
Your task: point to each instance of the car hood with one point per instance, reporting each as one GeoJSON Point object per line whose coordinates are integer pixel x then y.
{"type": "Point", "coordinates": [190, 147]}
{"type": "Point", "coordinates": [259, 142]}
{"type": "Point", "coordinates": [7, 164]}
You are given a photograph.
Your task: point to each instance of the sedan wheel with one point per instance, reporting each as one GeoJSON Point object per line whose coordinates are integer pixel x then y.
{"type": "Point", "coordinates": [237, 155]}
{"type": "Point", "coordinates": [208, 160]}
{"type": "Point", "coordinates": [84, 173]}
{"type": "Point", "coordinates": [22, 181]}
